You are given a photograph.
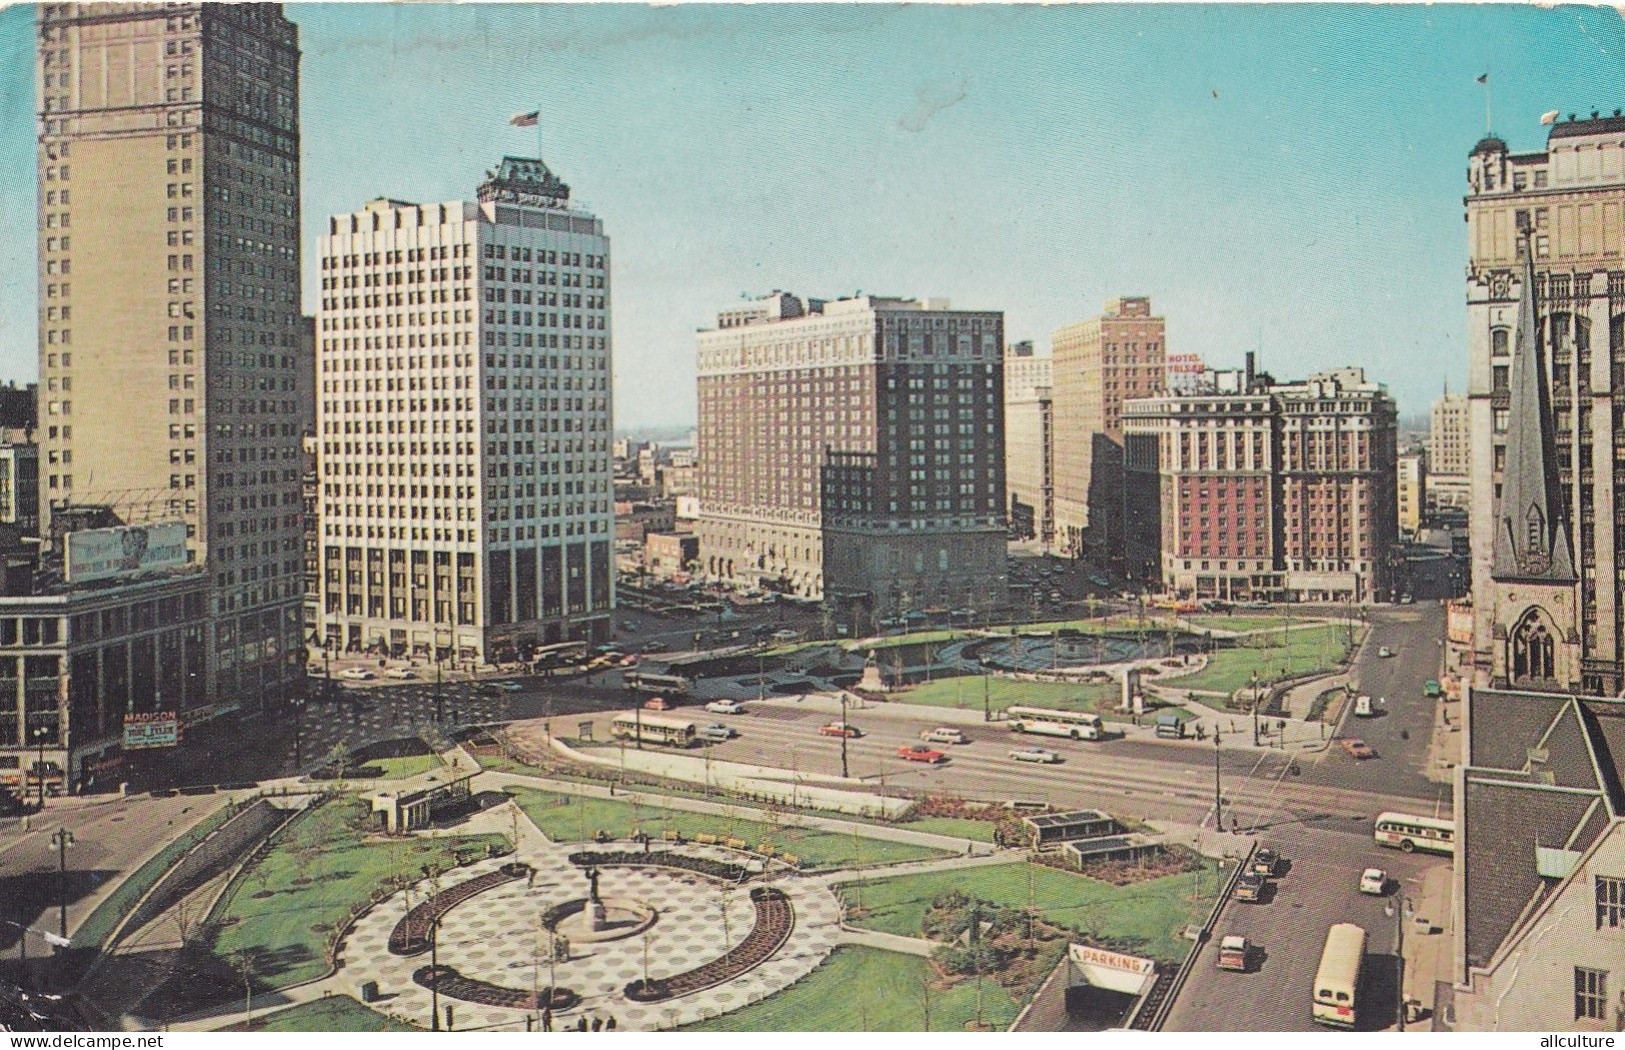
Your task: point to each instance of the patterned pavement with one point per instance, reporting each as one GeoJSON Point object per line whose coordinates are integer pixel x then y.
{"type": "Point", "coordinates": [494, 937]}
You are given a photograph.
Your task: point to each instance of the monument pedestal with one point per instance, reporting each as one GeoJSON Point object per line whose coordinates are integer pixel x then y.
{"type": "Point", "coordinates": [597, 917]}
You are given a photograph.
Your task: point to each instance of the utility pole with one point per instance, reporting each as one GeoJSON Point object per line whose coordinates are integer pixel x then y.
{"type": "Point", "coordinates": [434, 968]}
{"type": "Point", "coordinates": [40, 733]}
{"type": "Point", "coordinates": [1255, 708]}
{"type": "Point", "coordinates": [439, 707]}
{"type": "Point", "coordinates": [843, 735]}
{"type": "Point", "coordinates": [987, 700]}
{"type": "Point", "coordinates": [62, 838]}
{"type": "Point", "coordinates": [1218, 797]}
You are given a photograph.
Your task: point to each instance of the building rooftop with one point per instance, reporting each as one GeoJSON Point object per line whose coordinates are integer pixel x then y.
{"type": "Point", "coordinates": [1540, 776]}
{"type": "Point", "coordinates": [1598, 124]}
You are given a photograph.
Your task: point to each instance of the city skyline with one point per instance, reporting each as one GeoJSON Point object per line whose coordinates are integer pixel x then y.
{"type": "Point", "coordinates": [985, 131]}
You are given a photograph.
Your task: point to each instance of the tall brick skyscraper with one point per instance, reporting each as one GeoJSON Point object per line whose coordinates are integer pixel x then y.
{"type": "Point", "coordinates": [854, 450]}
{"type": "Point", "coordinates": [169, 300]}
{"type": "Point", "coordinates": [1099, 364]}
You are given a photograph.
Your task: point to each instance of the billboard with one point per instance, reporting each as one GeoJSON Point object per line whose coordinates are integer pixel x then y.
{"type": "Point", "coordinates": [128, 550]}
{"type": "Point", "coordinates": [151, 729]}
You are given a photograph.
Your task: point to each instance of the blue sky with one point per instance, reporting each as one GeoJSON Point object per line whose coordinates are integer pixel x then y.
{"type": "Point", "coordinates": [1282, 177]}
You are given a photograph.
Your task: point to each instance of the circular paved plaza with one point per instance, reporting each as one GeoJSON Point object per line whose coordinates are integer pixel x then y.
{"type": "Point", "coordinates": [495, 937]}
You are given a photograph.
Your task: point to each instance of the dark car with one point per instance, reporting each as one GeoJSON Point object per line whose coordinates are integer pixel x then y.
{"type": "Point", "coordinates": [1265, 861]}
{"type": "Point", "coordinates": [1250, 887]}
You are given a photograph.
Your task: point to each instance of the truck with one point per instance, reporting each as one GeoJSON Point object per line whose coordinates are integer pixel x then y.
{"type": "Point", "coordinates": [1362, 706]}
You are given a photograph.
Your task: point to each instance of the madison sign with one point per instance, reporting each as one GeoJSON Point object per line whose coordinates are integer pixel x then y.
{"type": "Point", "coordinates": [151, 729]}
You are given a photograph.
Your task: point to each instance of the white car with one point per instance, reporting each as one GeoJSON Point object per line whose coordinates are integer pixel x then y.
{"type": "Point", "coordinates": [1374, 881]}
{"type": "Point", "coordinates": [402, 673]}
{"type": "Point", "coordinates": [1034, 754]}
{"type": "Point", "coordinates": [1385, 652]}
{"type": "Point", "coordinates": [786, 635]}
{"type": "Point", "coordinates": [725, 707]}
{"type": "Point", "coordinates": [357, 674]}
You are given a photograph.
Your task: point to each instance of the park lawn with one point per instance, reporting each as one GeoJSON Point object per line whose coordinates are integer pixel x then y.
{"type": "Point", "coordinates": [576, 818]}
{"type": "Point", "coordinates": [892, 641]}
{"type": "Point", "coordinates": [965, 691]}
{"type": "Point", "coordinates": [1145, 918]}
{"type": "Point", "coordinates": [101, 922]}
{"type": "Point", "coordinates": [1098, 625]}
{"type": "Point", "coordinates": [317, 868]}
{"type": "Point", "coordinates": [1313, 649]}
{"type": "Point", "coordinates": [860, 989]}
{"type": "Point", "coordinates": [1243, 624]}
{"type": "Point", "coordinates": [958, 827]}
{"type": "Point", "coordinates": [335, 1013]}
{"type": "Point", "coordinates": [398, 768]}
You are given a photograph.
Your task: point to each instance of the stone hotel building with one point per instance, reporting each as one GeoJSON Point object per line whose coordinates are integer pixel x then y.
{"type": "Point", "coordinates": [853, 450]}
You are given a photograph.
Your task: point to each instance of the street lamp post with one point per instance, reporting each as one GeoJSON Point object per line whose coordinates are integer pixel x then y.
{"type": "Point", "coordinates": [62, 838]}
{"type": "Point", "coordinates": [1255, 708]}
{"type": "Point", "coordinates": [434, 968]}
{"type": "Point", "coordinates": [439, 697]}
{"type": "Point", "coordinates": [1218, 795]}
{"type": "Point", "coordinates": [298, 734]}
{"type": "Point", "coordinates": [40, 733]}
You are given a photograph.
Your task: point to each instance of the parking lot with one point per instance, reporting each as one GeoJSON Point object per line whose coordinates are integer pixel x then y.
{"type": "Point", "coordinates": [1318, 887]}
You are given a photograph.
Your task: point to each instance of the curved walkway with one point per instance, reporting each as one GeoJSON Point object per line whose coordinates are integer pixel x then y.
{"type": "Point", "coordinates": [492, 938]}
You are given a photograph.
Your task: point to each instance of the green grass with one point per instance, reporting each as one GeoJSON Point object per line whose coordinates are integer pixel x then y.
{"type": "Point", "coordinates": [916, 638]}
{"type": "Point", "coordinates": [575, 818]}
{"type": "Point", "coordinates": [958, 827]}
{"type": "Point", "coordinates": [860, 989]}
{"type": "Point", "coordinates": [336, 1013]}
{"type": "Point", "coordinates": [965, 691]}
{"type": "Point", "coordinates": [327, 848]}
{"type": "Point", "coordinates": [101, 922]}
{"type": "Point", "coordinates": [1145, 918]}
{"type": "Point", "coordinates": [1246, 623]}
{"type": "Point", "coordinates": [1312, 649]}
{"type": "Point", "coordinates": [396, 768]}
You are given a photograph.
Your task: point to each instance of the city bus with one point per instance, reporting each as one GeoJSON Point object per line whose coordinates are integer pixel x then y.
{"type": "Point", "coordinates": [1337, 982]}
{"type": "Point", "coordinates": [654, 729]}
{"type": "Point", "coordinates": [1410, 833]}
{"type": "Point", "coordinates": [561, 654]}
{"type": "Point", "coordinates": [668, 684]}
{"type": "Point", "coordinates": [1076, 724]}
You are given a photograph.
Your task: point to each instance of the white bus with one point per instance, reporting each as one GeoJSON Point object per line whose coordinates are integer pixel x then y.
{"type": "Point", "coordinates": [1076, 724]}
{"type": "Point", "coordinates": [669, 684]}
{"type": "Point", "coordinates": [1337, 982]}
{"type": "Point", "coordinates": [653, 729]}
{"type": "Point", "coordinates": [1408, 832]}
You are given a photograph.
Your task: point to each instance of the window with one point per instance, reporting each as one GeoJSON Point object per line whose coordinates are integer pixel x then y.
{"type": "Point", "coordinates": [1590, 993]}
{"type": "Point", "coordinates": [1610, 902]}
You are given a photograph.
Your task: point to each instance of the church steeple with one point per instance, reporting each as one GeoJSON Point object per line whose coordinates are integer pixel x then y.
{"type": "Point", "coordinates": [1531, 520]}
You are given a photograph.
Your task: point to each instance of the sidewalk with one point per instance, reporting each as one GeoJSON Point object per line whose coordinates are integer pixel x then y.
{"type": "Point", "coordinates": [890, 832]}
{"type": "Point", "coordinates": [1429, 941]}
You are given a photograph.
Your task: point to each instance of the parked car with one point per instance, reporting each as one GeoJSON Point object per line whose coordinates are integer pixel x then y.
{"type": "Point", "coordinates": [510, 686]}
{"type": "Point", "coordinates": [945, 735]}
{"type": "Point", "coordinates": [845, 729]}
{"type": "Point", "coordinates": [400, 673]}
{"type": "Point", "coordinates": [657, 703]}
{"type": "Point", "coordinates": [1265, 861]}
{"type": "Point", "coordinates": [911, 753]}
{"type": "Point", "coordinates": [357, 674]}
{"type": "Point", "coordinates": [1374, 881]}
{"type": "Point", "coordinates": [725, 707]}
{"type": "Point", "coordinates": [1235, 953]}
{"type": "Point", "coordinates": [786, 635]}
{"type": "Point", "coordinates": [1034, 754]}
{"type": "Point", "coordinates": [655, 647]}
{"type": "Point", "coordinates": [1385, 652]}
{"type": "Point", "coordinates": [1357, 747]}
{"type": "Point", "coordinates": [1250, 887]}
{"type": "Point", "coordinates": [716, 732]}
{"type": "Point", "coordinates": [1362, 707]}
{"type": "Point", "coordinates": [629, 625]}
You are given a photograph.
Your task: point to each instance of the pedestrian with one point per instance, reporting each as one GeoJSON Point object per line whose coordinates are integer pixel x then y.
{"type": "Point", "coordinates": [581, 1024]}
{"type": "Point", "coordinates": [609, 1025]}
{"type": "Point", "coordinates": [597, 1024]}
